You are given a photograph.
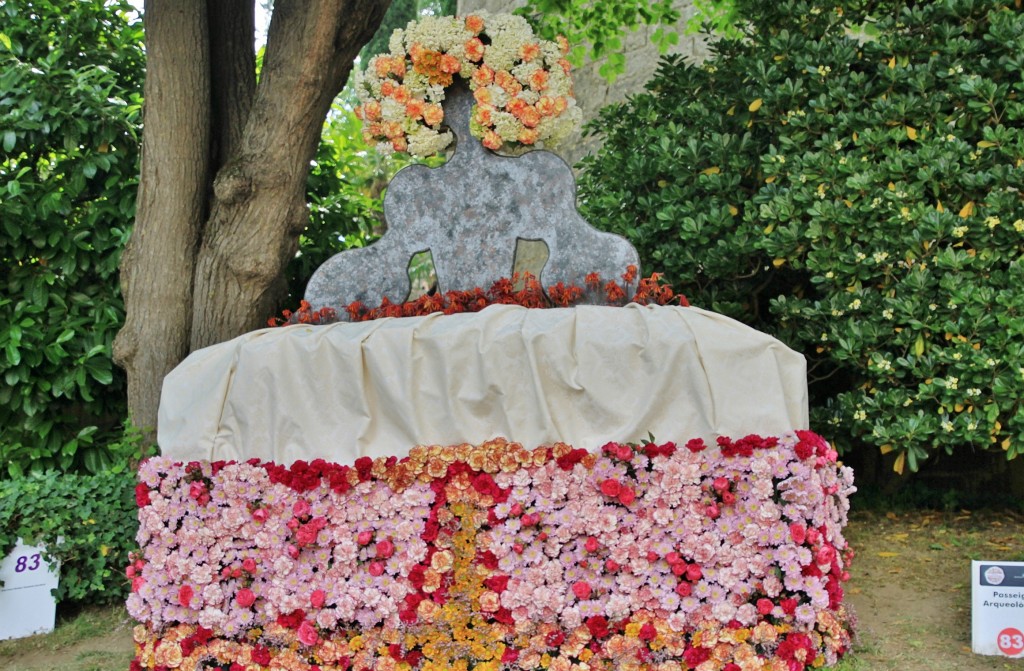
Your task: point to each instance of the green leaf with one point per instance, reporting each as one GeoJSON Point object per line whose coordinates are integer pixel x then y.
{"type": "Point", "coordinates": [10, 138]}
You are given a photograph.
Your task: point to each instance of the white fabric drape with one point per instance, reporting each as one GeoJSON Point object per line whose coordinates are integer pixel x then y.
{"type": "Point", "coordinates": [583, 375]}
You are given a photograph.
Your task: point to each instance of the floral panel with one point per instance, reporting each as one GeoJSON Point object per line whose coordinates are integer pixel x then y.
{"type": "Point", "coordinates": [650, 556]}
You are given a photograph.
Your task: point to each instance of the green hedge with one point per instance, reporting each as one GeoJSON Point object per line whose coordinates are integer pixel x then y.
{"type": "Point", "coordinates": [855, 189]}
{"type": "Point", "coordinates": [87, 522]}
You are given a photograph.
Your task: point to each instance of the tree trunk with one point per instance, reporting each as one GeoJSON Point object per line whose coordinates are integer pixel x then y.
{"type": "Point", "coordinates": [157, 268]}
{"type": "Point", "coordinates": [206, 264]}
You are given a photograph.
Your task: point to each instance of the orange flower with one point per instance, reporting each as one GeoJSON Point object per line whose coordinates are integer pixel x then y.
{"type": "Point", "coordinates": [414, 109]}
{"type": "Point", "coordinates": [546, 106]}
{"type": "Point", "coordinates": [561, 104]}
{"type": "Point", "coordinates": [474, 24]}
{"type": "Point", "coordinates": [391, 129]}
{"type": "Point", "coordinates": [483, 76]}
{"type": "Point", "coordinates": [371, 110]}
{"type": "Point", "coordinates": [563, 44]}
{"type": "Point", "coordinates": [399, 144]}
{"type": "Point", "coordinates": [382, 66]}
{"type": "Point", "coordinates": [483, 115]}
{"type": "Point", "coordinates": [474, 49]}
{"type": "Point", "coordinates": [483, 96]}
{"type": "Point", "coordinates": [507, 82]}
{"type": "Point", "coordinates": [492, 140]}
{"type": "Point", "coordinates": [401, 94]}
{"type": "Point", "coordinates": [528, 136]}
{"type": "Point", "coordinates": [566, 65]}
{"type": "Point", "coordinates": [530, 116]}
{"type": "Point", "coordinates": [433, 115]}
{"type": "Point", "coordinates": [529, 51]}
{"type": "Point", "coordinates": [387, 88]}
{"type": "Point", "coordinates": [539, 80]}
{"type": "Point", "coordinates": [450, 64]}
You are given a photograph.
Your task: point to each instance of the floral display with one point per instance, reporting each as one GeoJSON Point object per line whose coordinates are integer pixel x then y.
{"type": "Point", "coordinates": [521, 84]}
{"type": "Point", "coordinates": [727, 557]}
{"type": "Point", "coordinates": [651, 290]}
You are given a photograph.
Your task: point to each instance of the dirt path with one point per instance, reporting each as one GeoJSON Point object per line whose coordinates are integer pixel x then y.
{"type": "Point", "coordinates": [910, 589]}
{"type": "Point", "coordinates": [912, 592]}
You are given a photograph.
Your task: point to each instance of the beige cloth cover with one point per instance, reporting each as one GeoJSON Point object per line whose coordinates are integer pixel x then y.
{"type": "Point", "coordinates": [583, 375]}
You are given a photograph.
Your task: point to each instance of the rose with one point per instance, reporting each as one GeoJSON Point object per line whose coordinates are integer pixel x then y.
{"type": "Point", "coordinates": [684, 589]}
{"type": "Point", "coordinates": [720, 484]}
{"type": "Point", "coordinates": [581, 589]}
{"type": "Point", "coordinates": [317, 598]}
{"type": "Point", "coordinates": [308, 634]}
{"type": "Point", "coordinates": [611, 487]}
{"type": "Point", "coordinates": [627, 495]}
{"type": "Point", "coordinates": [376, 569]}
{"type": "Point", "coordinates": [798, 533]}
{"type": "Point", "coordinates": [260, 515]}
{"type": "Point", "coordinates": [249, 565]}
{"type": "Point", "coordinates": [301, 508]}
{"type": "Point", "coordinates": [765, 606]}
{"type": "Point", "coordinates": [245, 597]}
{"type": "Point", "coordinates": [185, 594]}
{"type": "Point", "coordinates": [385, 548]}
{"type": "Point", "coordinates": [591, 544]}
{"type": "Point", "coordinates": [693, 573]}
{"type": "Point", "coordinates": [364, 537]}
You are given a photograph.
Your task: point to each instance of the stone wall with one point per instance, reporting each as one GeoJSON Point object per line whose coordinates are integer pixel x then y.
{"type": "Point", "coordinates": [592, 91]}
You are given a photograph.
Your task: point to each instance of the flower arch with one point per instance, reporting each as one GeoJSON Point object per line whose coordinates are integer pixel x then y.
{"type": "Point", "coordinates": [521, 85]}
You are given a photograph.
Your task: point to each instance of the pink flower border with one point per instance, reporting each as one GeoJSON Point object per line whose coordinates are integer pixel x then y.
{"type": "Point", "coordinates": [730, 557]}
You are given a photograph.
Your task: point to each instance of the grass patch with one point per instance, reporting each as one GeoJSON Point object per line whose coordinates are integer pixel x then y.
{"type": "Point", "coordinates": [93, 638]}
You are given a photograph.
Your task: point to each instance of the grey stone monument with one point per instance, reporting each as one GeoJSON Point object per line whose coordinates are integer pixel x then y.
{"type": "Point", "coordinates": [470, 213]}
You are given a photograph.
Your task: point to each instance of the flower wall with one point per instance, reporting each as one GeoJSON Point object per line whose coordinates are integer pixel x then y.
{"type": "Point", "coordinates": [652, 556]}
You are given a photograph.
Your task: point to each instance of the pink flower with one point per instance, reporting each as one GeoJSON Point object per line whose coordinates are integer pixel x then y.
{"type": "Point", "coordinates": [581, 589]}
{"type": "Point", "coordinates": [185, 594]}
{"type": "Point", "coordinates": [292, 551]}
{"type": "Point", "coordinates": [798, 533]}
{"type": "Point", "coordinates": [376, 568]}
{"type": "Point", "coordinates": [684, 589]}
{"type": "Point", "coordinates": [301, 508]}
{"type": "Point", "coordinates": [317, 598]}
{"type": "Point", "coordinates": [693, 573]}
{"type": "Point", "coordinates": [249, 565]}
{"type": "Point", "coordinates": [364, 537]}
{"type": "Point", "coordinates": [765, 606]}
{"type": "Point", "coordinates": [260, 515]}
{"type": "Point", "coordinates": [137, 583]}
{"type": "Point", "coordinates": [245, 597]}
{"type": "Point", "coordinates": [385, 549]}
{"type": "Point", "coordinates": [720, 484]}
{"type": "Point", "coordinates": [712, 511]}
{"type": "Point", "coordinates": [591, 545]}
{"type": "Point", "coordinates": [627, 495]}
{"type": "Point", "coordinates": [307, 634]}
{"type": "Point", "coordinates": [516, 510]}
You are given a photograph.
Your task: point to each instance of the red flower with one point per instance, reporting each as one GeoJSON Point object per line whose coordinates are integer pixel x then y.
{"type": "Point", "coordinates": [684, 589]}
{"type": "Point", "coordinates": [141, 495]}
{"type": "Point", "coordinates": [249, 565]}
{"type": "Point", "coordinates": [292, 620]}
{"type": "Point", "coordinates": [696, 656]}
{"type": "Point", "coordinates": [385, 548]}
{"type": "Point", "coordinates": [591, 544]}
{"type": "Point", "coordinates": [185, 594]}
{"type": "Point", "coordinates": [364, 537]}
{"type": "Point", "coordinates": [611, 487]}
{"type": "Point", "coordinates": [627, 496]}
{"type": "Point", "coordinates": [648, 632]}
{"type": "Point", "coordinates": [260, 654]}
{"type": "Point", "coordinates": [598, 626]}
{"type": "Point", "coordinates": [317, 598]}
{"type": "Point", "coordinates": [696, 445]}
{"type": "Point", "coordinates": [765, 606]}
{"type": "Point", "coordinates": [497, 583]}
{"type": "Point", "coordinates": [581, 589]}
